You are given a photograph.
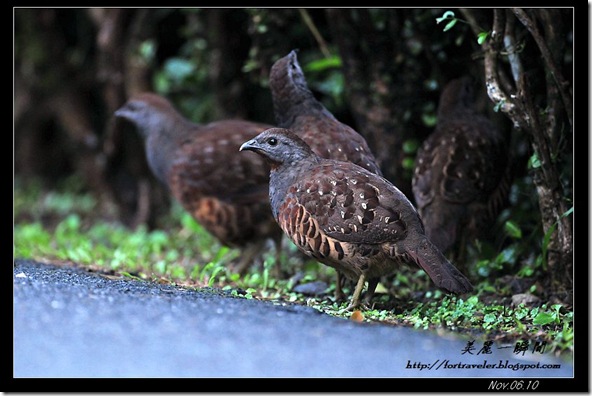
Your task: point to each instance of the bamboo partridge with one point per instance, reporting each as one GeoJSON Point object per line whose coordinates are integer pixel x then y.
{"type": "Point", "coordinates": [296, 108]}
{"type": "Point", "coordinates": [226, 193]}
{"type": "Point", "coordinates": [462, 175]}
{"type": "Point", "coordinates": [347, 217]}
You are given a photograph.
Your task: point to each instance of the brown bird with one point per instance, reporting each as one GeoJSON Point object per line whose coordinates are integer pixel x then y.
{"type": "Point", "coordinates": [462, 175]}
{"type": "Point", "coordinates": [225, 192]}
{"type": "Point", "coordinates": [347, 217]}
{"type": "Point", "coordinates": [296, 108]}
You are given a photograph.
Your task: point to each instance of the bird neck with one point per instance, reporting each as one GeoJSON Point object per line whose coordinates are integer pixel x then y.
{"type": "Point", "coordinates": [453, 111]}
{"type": "Point", "coordinates": [162, 143]}
{"type": "Point", "coordinates": [292, 98]}
{"type": "Point", "coordinates": [285, 175]}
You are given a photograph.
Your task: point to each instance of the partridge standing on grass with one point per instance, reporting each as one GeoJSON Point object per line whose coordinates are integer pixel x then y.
{"type": "Point", "coordinates": [226, 193]}
{"type": "Point", "coordinates": [462, 175]}
{"type": "Point", "coordinates": [296, 108]}
{"type": "Point", "coordinates": [347, 217]}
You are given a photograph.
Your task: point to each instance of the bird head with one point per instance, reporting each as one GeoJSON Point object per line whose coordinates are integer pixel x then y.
{"type": "Point", "coordinates": [457, 95]}
{"type": "Point", "coordinates": [287, 70]}
{"type": "Point", "coordinates": [279, 146]}
{"type": "Point", "coordinates": [147, 111]}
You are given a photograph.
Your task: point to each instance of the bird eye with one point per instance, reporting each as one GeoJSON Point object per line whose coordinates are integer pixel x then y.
{"type": "Point", "coordinates": [272, 141]}
{"type": "Point", "coordinates": [134, 106]}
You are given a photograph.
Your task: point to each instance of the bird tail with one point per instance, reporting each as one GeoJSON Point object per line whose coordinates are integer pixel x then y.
{"type": "Point", "coordinates": [444, 275]}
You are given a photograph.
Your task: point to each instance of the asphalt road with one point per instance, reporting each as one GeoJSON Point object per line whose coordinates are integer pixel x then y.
{"type": "Point", "coordinates": [72, 323]}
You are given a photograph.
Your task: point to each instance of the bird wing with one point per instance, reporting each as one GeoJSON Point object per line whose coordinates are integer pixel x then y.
{"type": "Point", "coordinates": [462, 161]}
{"type": "Point", "coordinates": [348, 204]}
{"type": "Point", "coordinates": [332, 139]}
{"type": "Point", "coordinates": [208, 164]}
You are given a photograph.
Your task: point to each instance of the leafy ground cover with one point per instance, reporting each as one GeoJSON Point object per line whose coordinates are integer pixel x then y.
{"type": "Point", "coordinates": [70, 227]}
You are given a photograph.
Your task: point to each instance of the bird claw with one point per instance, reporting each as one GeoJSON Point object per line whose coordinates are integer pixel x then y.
{"type": "Point", "coordinates": [353, 306]}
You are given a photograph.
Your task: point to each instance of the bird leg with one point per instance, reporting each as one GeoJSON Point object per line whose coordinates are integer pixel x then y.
{"type": "Point", "coordinates": [277, 268]}
{"type": "Point", "coordinates": [250, 253]}
{"type": "Point", "coordinates": [461, 259]}
{"type": "Point", "coordinates": [339, 295]}
{"type": "Point", "coordinates": [247, 256]}
{"type": "Point", "coordinates": [372, 283]}
{"type": "Point", "coordinates": [355, 302]}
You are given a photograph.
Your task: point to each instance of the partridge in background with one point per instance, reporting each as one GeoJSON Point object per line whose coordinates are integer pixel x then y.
{"type": "Point", "coordinates": [462, 175]}
{"type": "Point", "coordinates": [347, 217]}
{"type": "Point", "coordinates": [226, 193]}
{"type": "Point", "coordinates": [296, 108]}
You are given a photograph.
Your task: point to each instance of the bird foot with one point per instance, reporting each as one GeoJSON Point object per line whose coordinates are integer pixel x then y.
{"type": "Point", "coordinates": [339, 296]}
{"type": "Point", "coordinates": [362, 306]}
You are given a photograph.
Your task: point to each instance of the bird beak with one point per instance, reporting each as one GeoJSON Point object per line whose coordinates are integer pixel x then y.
{"type": "Point", "coordinates": [249, 145]}
{"type": "Point", "coordinates": [121, 112]}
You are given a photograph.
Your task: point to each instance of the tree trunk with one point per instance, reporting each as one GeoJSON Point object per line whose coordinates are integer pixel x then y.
{"type": "Point", "coordinates": [227, 54]}
{"type": "Point", "coordinates": [371, 76]}
{"type": "Point", "coordinates": [546, 119]}
{"type": "Point", "coordinates": [121, 73]}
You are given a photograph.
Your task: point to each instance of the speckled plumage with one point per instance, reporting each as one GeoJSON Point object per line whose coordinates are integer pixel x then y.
{"type": "Point", "coordinates": [461, 178]}
{"type": "Point", "coordinates": [347, 217]}
{"type": "Point", "coordinates": [296, 108]}
{"type": "Point", "coordinates": [225, 192]}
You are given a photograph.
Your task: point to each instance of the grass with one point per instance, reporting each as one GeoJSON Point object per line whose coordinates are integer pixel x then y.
{"type": "Point", "coordinates": [63, 227]}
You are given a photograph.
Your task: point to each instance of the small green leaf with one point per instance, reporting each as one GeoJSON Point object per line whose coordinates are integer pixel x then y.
{"type": "Point", "coordinates": [481, 37]}
{"type": "Point", "coordinates": [534, 162]}
{"type": "Point", "coordinates": [408, 163]}
{"type": "Point", "coordinates": [543, 318]}
{"type": "Point", "coordinates": [410, 146]}
{"type": "Point", "coordinates": [527, 272]}
{"type": "Point", "coordinates": [489, 318]}
{"type": "Point", "coordinates": [178, 68]}
{"type": "Point", "coordinates": [160, 266]}
{"type": "Point", "coordinates": [147, 50]}
{"type": "Point", "coordinates": [548, 234]}
{"type": "Point", "coordinates": [195, 272]}
{"type": "Point", "coordinates": [508, 255]}
{"type": "Point", "coordinates": [429, 120]}
{"type": "Point", "coordinates": [567, 212]}
{"type": "Point", "coordinates": [547, 237]}
{"type": "Point", "coordinates": [513, 230]}
{"type": "Point", "coordinates": [215, 273]}
{"type": "Point", "coordinates": [483, 268]}
{"type": "Point", "coordinates": [323, 64]}
{"type": "Point", "coordinates": [189, 222]}
{"type": "Point", "coordinates": [533, 289]}
{"type": "Point", "coordinates": [450, 25]}
{"type": "Point", "coordinates": [403, 279]}
{"type": "Point", "coordinates": [557, 308]}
